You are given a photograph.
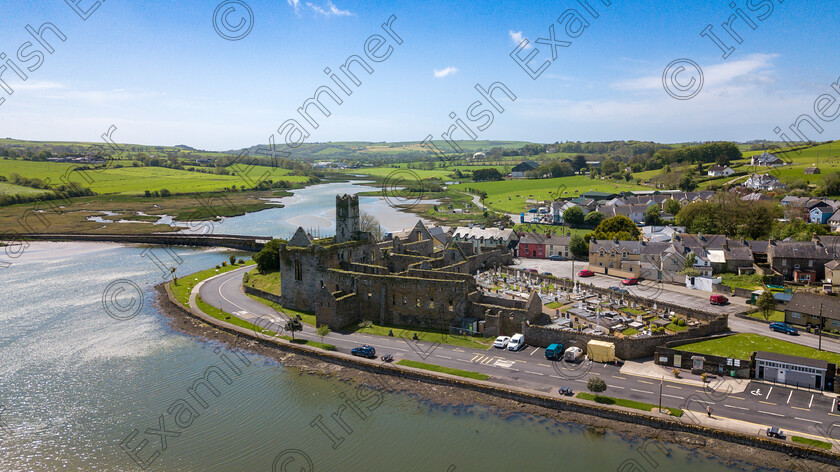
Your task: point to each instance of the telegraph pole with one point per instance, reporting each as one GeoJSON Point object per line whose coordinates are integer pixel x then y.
{"type": "Point", "coordinates": [821, 327]}
{"type": "Point", "coordinates": [661, 380]}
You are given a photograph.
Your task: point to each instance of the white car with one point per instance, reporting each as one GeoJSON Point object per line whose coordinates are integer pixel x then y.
{"type": "Point", "coordinates": [517, 342]}
{"type": "Point", "coordinates": [501, 342]}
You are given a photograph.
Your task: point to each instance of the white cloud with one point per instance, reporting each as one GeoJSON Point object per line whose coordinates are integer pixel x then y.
{"type": "Point", "coordinates": [518, 38]}
{"type": "Point", "coordinates": [330, 10]}
{"type": "Point", "coordinates": [440, 73]}
{"type": "Point", "coordinates": [37, 85]}
{"type": "Point", "coordinates": [294, 3]}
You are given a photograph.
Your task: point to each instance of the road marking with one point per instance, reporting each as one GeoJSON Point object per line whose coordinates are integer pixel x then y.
{"type": "Point", "coordinates": [803, 409]}
{"type": "Point", "coordinates": [768, 413]}
{"type": "Point", "coordinates": [556, 376]}
{"type": "Point", "coordinates": [641, 391]}
{"type": "Point", "coordinates": [789, 395]}
{"type": "Point", "coordinates": [834, 414]}
{"type": "Point", "coordinates": [544, 365]}
{"type": "Point", "coordinates": [459, 350]}
{"type": "Point", "coordinates": [445, 357]}
{"type": "Point", "coordinates": [702, 401]}
{"type": "Point", "coordinates": [673, 386]}
{"type": "Point", "coordinates": [506, 364]}
{"type": "Point", "coordinates": [535, 350]}
{"type": "Point", "coordinates": [616, 386]}
{"type": "Point", "coordinates": [645, 382]}
{"type": "Point", "coordinates": [810, 402]}
{"type": "Point", "coordinates": [619, 377]}
{"type": "Point", "coordinates": [810, 421]}
{"type": "Point", "coordinates": [672, 396]}
{"type": "Point", "coordinates": [766, 403]}
{"type": "Point", "coordinates": [738, 407]}
{"type": "Point", "coordinates": [768, 393]}
{"type": "Point", "coordinates": [535, 373]}
{"type": "Point", "coordinates": [737, 398]}
{"type": "Point", "coordinates": [463, 360]}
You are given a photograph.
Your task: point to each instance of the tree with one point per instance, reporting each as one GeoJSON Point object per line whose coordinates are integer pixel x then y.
{"type": "Point", "coordinates": [293, 325]}
{"type": "Point", "coordinates": [578, 162]}
{"type": "Point", "coordinates": [688, 265]}
{"type": "Point", "coordinates": [596, 384]}
{"type": "Point", "coordinates": [687, 183]}
{"type": "Point", "coordinates": [370, 224]}
{"type": "Point", "coordinates": [322, 331]}
{"type": "Point", "coordinates": [594, 218]}
{"type": "Point", "coordinates": [482, 175]}
{"type": "Point", "coordinates": [620, 227]}
{"type": "Point", "coordinates": [578, 246]}
{"type": "Point", "coordinates": [672, 206]}
{"type": "Point", "coordinates": [766, 303]}
{"type": "Point", "coordinates": [232, 259]}
{"type": "Point", "coordinates": [652, 217]}
{"type": "Point", "coordinates": [268, 259]}
{"type": "Point", "coordinates": [573, 216]}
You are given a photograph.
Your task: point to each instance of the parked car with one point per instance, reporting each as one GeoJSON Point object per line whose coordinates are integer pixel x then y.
{"type": "Point", "coordinates": [501, 342]}
{"type": "Point", "coordinates": [553, 351]}
{"type": "Point", "coordinates": [364, 351]}
{"type": "Point", "coordinates": [586, 273]}
{"type": "Point", "coordinates": [556, 258]}
{"type": "Point", "coordinates": [783, 328]}
{"type": "Point", "coordinates": [618, 289]}
{"type": "Point", "coordinates": [573, 354]}
{"type": "Point", "coordinates": [547, 273]}
{"type": "Point", "coordinates": [530, 270]}
{"type": "Point", "coordinates": [517, 342]}
{"type": "Point", "coordinates": [630, 281]}
{"type": "Point", "coordinates": [718, 300]}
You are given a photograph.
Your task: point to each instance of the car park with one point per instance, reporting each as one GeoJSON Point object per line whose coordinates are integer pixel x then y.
{"type": "Point", "coordinates": [364, 351]}
{"type": "Point", "coordinates": [783, 328]}
{"type": "Point", "coordinates": [718, 300]}
{"type": "Point", "coordinates": [501, 342]}
{"type": "Point", "coordinates": [517, 342]}
{"type": "Point", "coordinates": [585, 273]}
{"type": "Point", "coordinates": [630, 281]}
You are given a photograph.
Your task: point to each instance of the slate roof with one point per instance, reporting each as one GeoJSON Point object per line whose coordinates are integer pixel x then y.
{"type": "Point", "coordinates": [809, 303]}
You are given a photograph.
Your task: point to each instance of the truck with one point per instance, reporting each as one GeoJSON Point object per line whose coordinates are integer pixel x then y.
{"type": "Point", "coordinates": [600, 351]}
{"type": "Point", "coordinates": [554, 351]}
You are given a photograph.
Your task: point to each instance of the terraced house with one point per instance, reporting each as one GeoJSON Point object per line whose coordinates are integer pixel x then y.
{"type": "Point", "coordinates": [799, 261]}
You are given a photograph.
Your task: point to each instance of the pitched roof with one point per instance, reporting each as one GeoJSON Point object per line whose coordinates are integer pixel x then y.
{"type": "Point", "coordinates": [788, 359]}
{"type": "Point", "coordinates": [810, 304]}
{"type": "Point", "coordinates": [798, 250]}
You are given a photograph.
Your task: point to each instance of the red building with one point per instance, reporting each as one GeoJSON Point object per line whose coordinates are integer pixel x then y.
{"type": "Point", "coordinates": [541, 246]}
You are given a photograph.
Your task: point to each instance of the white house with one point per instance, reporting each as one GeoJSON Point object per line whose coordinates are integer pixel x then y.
{"type": "Point", "coordinates": [479, 155]}
{"type": "Point", "coordinates": [766, 159]}
{"type": "Point", "coordinates": [763, 182]}
{"type": "Point", "coordinates": [720, 171]}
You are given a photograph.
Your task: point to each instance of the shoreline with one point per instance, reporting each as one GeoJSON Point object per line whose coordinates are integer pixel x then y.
{"type": "Point", "coordinates": [728, 453]}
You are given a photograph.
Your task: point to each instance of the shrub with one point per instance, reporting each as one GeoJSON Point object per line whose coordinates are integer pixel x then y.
{"type": "Point", "coordinates": [232, 260]}
{"type": "Point", "coordinates": [681, 322]}
{"type": "Point", "coordinates": [224, 263]}
{"type": "Point", "coordinates": [676, 372]}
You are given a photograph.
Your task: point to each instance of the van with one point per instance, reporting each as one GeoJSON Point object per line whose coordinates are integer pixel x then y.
{"type": "Point", "coordinates": [573, 354]}
{"type": "Point", "coordinates": [718, 300]}
{"type": "Point", "coordinates": [553, 352]}
{"type": "Point", "coordinates": [517, 342]}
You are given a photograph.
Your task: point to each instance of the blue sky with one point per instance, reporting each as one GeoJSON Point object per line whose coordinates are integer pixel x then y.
{"type": "Point", "coordinates": [161, 74]}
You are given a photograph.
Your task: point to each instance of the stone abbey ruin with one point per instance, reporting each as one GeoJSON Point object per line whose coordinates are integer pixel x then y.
{"type": "Point", "coordinates": [410, 279]}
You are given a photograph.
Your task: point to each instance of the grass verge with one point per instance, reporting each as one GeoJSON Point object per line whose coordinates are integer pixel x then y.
{"type": "Point", "coordinates": [423, 334]}
{"type": "Point", "coordinates": [775, 315]}
{"type": "Point", "coordinates": [741, 345]}
{"type": "Point", "coordinates": [676, 412]}
{"type": "Point", "coordinates": [811, 442]}
{"type": "Point", "coordinates": [445, 370]}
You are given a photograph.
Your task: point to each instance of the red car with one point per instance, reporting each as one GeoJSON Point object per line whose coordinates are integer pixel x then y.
{"type": "Point", "coordinates": [718, 300]}
{"type": "Point", "coordinates": [586, 273]}
{"type": "Point", "coordinates": [630, 281]}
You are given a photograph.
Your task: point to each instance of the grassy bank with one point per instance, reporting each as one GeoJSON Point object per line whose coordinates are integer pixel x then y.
{"type": "Point", "coordinates": [811, 442]}
{"type": "Point", "coordinates": [445, 370]}
{"type": "Point", "coordinates": [423, 334]}
{"type": "Point", "coordinates": [742, 345]}
{"type": "Point", "coordinates": [626, 403]}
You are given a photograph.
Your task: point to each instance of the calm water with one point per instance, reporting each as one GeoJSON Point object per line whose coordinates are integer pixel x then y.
{"type": "Point", "coordinates": [75, 383]}
{"type": "Point", "coordinates": [314, 208]}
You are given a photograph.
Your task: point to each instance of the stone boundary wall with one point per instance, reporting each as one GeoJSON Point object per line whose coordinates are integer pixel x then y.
{"type": "Point", "coordinates": [435, 274]}
{"type": "Point", "coordinates": [244, 243]}
{"type": "Point", "coordinates": [262, 294]}
{"type": "Point", "coordinates": [519, 395]}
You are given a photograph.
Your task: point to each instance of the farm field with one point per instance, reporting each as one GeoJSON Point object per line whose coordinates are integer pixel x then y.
{"type": "Point", "coordinates": [136, 180]}
{"type": "Point", "coordinates": [11, 189]}
{"type": "Point", "coordinates": [510, 195]}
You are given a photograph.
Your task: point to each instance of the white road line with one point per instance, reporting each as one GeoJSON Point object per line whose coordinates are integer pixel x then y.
{"type": "Point", "coordinates": [768, 413]}
{"type": "Point", "coordinates": [790, 395]}
{"type": "Point", "coordinates": [616, 386]}
{"type": "Point", "coordinates": [534, 373]}
{"type": "Point", "coordinates": [535, 350]}
{"type": "Point", "coordinates": [810, 421]}
{"type": "Point", "coordinates": [768, 393]}
{"type": "Point", "coordinates": [555, 376]}
{"type": "Point", "coordinates": [812, 401]}
{"type": "Point", "coordinates": [464, 360]}
{"type": "Point", "coordinates": [641, 391]}
{"type": "Point", "coordinates": [672, 396]}
{"type": "Point", "coordinates": [738, 407]}
{"type": "Point", "coordinates": [445, 357]}
{"type": "Point", "coordinates": [702, 401]}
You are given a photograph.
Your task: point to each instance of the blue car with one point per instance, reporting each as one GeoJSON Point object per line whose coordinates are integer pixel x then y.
{"type": "Point", "coordinates": [364, 351]}
{"type": "Point", "coordinates": [556, 258]}
{"type": "Point", "coordinates": [783, 328]}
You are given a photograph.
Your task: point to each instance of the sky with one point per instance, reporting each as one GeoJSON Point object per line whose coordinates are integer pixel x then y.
{"type": "Point", "coordinates": [217, 76]}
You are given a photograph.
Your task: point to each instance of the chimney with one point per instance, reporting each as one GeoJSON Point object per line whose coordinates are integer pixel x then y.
{"type": "Point", "coordinates": [471, 226]}
{"type": "Point", "coordinates": [772, 241]}
{"type": "Point", "coordinates": [726, 245]}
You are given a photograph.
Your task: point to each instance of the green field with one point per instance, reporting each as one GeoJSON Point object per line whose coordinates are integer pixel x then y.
{"type": "Point", "coordinates": [626, 403]}
{"type": "Point", "coordinates": [510, 195]}
{"type": "Point", "coordinates": [742, 345]}
{"type": "Point", "coordinates": [11, 189]}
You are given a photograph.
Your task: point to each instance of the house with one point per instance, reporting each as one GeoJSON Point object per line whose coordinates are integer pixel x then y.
{"type": "Point", "coordinates": [613, 257]}
{"type": "Point", "coordinates": [766, 160]}
{"type": "Point", "coordinates": [756, 197]}
{"type": "Point", "coordinates": [558, 208]}
{"type": "Point", "coordinates": [832, 272]}
{"type": "Point", "coordinates": [485, 238]}
{"type": "Point", "coordinates": [543, 246]}
{"type": "Point", "coordinates": [785, 257]}
{"type": "Point", "coordinates": [661, 261]}
{"type": "Point", "coordinates": [636, 213]}
{"type": "Point", "coordinates": [522, 168]}
{"type": "Point", "coordinates": [812, 170]}
{"type": "Point", "coordinates": [806, 309]}
{"type": "Point", "coordinates": [834, 222]}
{"type": "Point", "coordinates": [763, 182]}
{"type": "Point", "coordinates": [820, 213]}
{"type": "Point", "coordinates": [660, 233]}
{"type": "Point", "coordinates": [720, 171]}
{"type": "Point", "coordinates": [479, 155]}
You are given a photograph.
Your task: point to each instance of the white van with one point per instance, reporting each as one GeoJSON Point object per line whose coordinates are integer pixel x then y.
{"type": "Point", "coordinates": [517, 342]}
{"type": "Point", "coordinates": [573, 354]}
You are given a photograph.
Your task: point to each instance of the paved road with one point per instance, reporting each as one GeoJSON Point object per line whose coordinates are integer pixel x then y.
{"type": "Point", "coordinates": [764, 405]}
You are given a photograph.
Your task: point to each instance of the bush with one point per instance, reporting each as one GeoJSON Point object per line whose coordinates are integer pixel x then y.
{"type": "Point", "coordinates": [218, 267]}
{"type": "Point", "coordinates": [681, 322]}
{"type": "Point", "coordinates": [268, 259]}
{"type": "Point", "coordinates": [232, 260]}
{"type": "Point", "coordinates": [241, 261]}
{"type": "Point", "coordinates": [224, 263]}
